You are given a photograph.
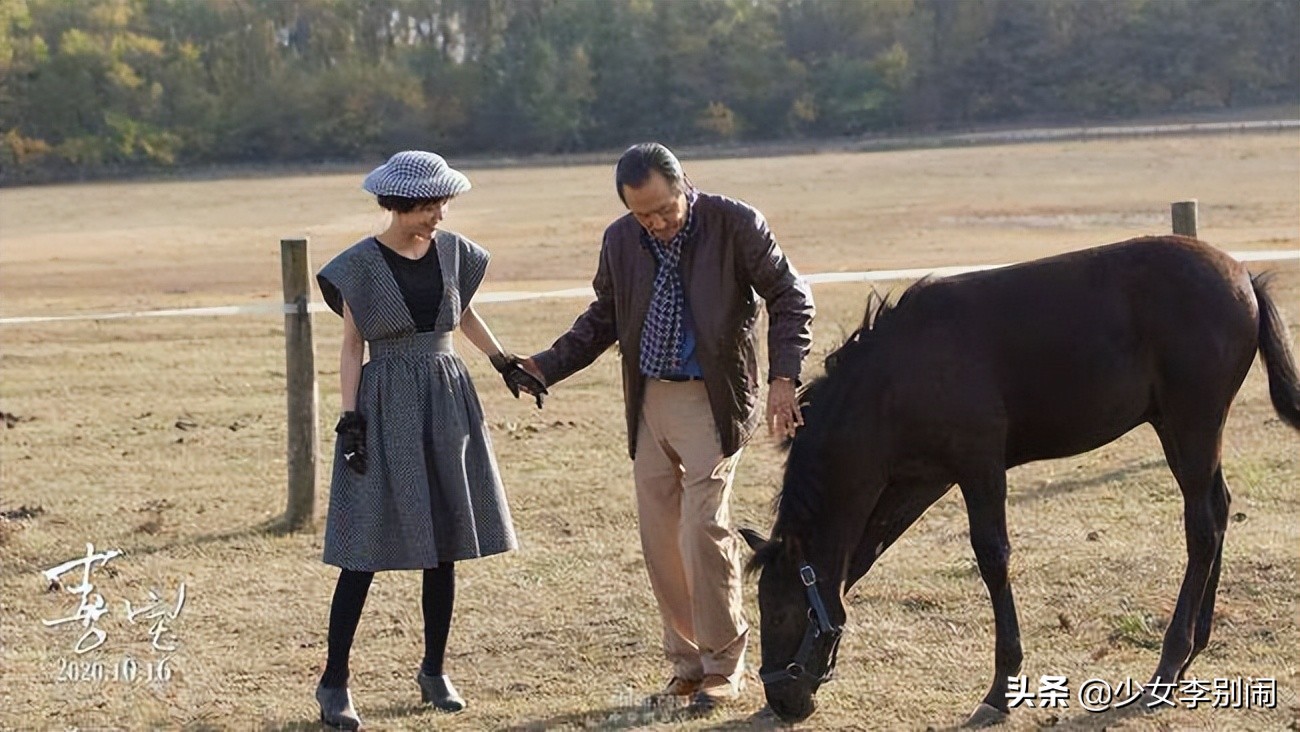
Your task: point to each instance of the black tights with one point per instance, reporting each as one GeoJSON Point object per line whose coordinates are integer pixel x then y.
{"type": "Point", "coordinates": [437, 597]}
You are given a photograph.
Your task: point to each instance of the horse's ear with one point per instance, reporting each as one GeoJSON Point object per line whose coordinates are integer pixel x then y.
{"type": "Point", "coordinates": [754, 539]}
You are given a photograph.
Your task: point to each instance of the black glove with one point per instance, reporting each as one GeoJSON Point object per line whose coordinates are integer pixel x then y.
{"type": "Point", "coordinates": [517, 377]}
{"type": "Point", "coordinates": [352, 427]}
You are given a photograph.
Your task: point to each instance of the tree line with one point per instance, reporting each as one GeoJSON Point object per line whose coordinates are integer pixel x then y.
{"type": "Point", "coordinates": [99, 87]}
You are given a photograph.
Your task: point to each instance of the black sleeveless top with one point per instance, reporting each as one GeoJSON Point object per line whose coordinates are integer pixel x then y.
{"type": "Point", "coordinates": [420, 281]}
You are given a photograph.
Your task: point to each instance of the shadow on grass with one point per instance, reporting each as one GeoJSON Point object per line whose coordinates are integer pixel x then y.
{"type": "Point", "coordinates": [270, 527]}
{"type": "Point", "coordinates": [1081, 721]}
{"type": "Point", "coordinates": [1107, 719]}
{"type": "Point", "coordinates": [762, 719]}
{"type": "Point", "coordinates": [613, 718]}
{"type": "Point", "coordinates": [610, 718]}
{"type": "Point", "coordinates": [372, 718]}
{"type": "Point", "coordinates": [638, 716]}
{"type": "Point", "coordinates": [1055, 488]}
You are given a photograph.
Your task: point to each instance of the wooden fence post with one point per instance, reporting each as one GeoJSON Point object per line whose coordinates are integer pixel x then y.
{"type": "Point", "coordinates": [300, 375]}
{"type": "Point", "coordinates": [1184, 214]}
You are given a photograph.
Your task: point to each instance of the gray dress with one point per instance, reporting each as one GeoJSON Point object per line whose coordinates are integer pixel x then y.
{"type": "Point", "coordinates": [431, 492]}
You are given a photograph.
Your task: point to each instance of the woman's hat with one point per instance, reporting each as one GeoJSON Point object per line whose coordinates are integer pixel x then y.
{"type": "Point", "coordinates": [416, 174]}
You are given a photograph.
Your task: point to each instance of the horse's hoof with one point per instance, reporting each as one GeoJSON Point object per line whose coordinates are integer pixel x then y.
{"type": "Point", "coordinates": [985, 716]}
{"type": "Point", "coordinates": [1150, 703]}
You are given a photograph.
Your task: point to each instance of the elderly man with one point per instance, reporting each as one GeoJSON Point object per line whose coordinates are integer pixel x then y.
{"type": "Point", "coordinates": [675, 288]}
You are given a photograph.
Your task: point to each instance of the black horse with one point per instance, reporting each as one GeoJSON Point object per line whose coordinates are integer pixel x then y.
{"type": "Point", "coordinates": [968, 376]}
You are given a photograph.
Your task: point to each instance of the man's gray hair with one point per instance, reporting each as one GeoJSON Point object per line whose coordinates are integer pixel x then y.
{"type": "Point", "coordinates": [639, 161]}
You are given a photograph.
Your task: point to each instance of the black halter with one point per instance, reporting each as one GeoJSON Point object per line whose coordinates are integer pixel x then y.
{"type": "Point", "coordinates": [819, 631]}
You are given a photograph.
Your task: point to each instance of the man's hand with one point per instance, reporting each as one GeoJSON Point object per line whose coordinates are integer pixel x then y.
{"type": "Point", "coordinates": [783, 416]}
{"type": "Point", "coordinates": [352, 429]}
{"type": "Point", "coordinates": [531, 367]}
{"type": "Point", "coordinates": [517, 378]}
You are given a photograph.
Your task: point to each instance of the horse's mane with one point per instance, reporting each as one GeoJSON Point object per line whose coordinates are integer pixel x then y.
{"type": "Point", "coordinates": [801, 496]}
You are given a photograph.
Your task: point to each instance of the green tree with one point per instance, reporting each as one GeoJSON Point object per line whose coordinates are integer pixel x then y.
{"type": "Point", "coordinates": [541, 87]}
{"type": "Point", "coordinates": [95, 86]}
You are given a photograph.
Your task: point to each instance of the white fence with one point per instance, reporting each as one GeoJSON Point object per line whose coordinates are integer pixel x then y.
{"type": "Point", "coordinates": [880, 275]}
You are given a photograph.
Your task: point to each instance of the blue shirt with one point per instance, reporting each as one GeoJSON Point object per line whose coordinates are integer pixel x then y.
{"type": "Point", "coordinates": [690, 364]}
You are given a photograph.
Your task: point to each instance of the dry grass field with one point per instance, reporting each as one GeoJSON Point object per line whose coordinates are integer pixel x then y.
{"type": "Point", "coordinates": [164, 438]}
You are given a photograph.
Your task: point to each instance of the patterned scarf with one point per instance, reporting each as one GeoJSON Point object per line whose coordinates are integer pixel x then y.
{"type": "Point", "coordinates": [661, 336]}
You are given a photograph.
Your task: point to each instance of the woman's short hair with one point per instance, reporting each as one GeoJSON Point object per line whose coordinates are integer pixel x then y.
{"type": "Point", "coordinates": [639, 161]}
{"type": "Point", "coordinates": [402, 204]}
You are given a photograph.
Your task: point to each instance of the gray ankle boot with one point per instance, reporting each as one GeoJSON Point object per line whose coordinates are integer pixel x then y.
{"type": "Point", "coordinates": [336, 708]}
{"type": "Point", "coordinates": [438, 691]}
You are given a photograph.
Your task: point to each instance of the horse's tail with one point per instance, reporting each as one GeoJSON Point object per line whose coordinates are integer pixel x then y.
{"type": "Point", "coordinates": [1275, 347]}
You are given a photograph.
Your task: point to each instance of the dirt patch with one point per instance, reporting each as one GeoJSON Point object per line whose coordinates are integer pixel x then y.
{"type": "Point", "coordinates": [22, 513]}
{"type": "Point", "coordinates": [13, 420]}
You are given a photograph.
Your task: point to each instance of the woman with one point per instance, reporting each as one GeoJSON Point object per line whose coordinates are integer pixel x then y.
{"type": "Point", "coordinates": [415, 483]}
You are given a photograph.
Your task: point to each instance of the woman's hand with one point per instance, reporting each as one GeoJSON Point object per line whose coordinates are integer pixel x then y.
{"type": "Point", "coordinates": [352, 430]}
{"type": "Point", "coordinates": [516, 377]}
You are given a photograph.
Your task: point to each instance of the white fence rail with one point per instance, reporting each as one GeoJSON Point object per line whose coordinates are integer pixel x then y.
{"type": "Point", "coordinates": [575, 292]}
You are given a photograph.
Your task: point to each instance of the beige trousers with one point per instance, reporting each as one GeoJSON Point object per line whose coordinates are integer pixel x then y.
{"type": "Point", "coordinates": [683, 491]}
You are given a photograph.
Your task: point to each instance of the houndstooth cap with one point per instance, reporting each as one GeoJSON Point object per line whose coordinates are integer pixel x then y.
{"type": "Point", "coordinates": [416, 174]}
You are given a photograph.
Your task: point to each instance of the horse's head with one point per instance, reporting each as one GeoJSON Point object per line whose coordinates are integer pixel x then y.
{"type": "Point", "coordinates": [832, 478]}
{"type": "Point", "coordinates": [801, 618]}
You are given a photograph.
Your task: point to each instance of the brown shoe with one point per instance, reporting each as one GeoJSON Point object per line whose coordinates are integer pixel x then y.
{"type": "Point", "coordinates": [677, 686]}
{"type": "Point", "coordinates": [677, 691]}
{"type": "Point", "coordinates": [715, 690]}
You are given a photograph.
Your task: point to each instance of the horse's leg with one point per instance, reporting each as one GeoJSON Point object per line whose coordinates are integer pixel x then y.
{"type": "Point", "coordinates": [986, 507]}
{"type": "Point", "coordinates": [1193, 455]}
{"type": "Point", "coordinates": [1222, 499]}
